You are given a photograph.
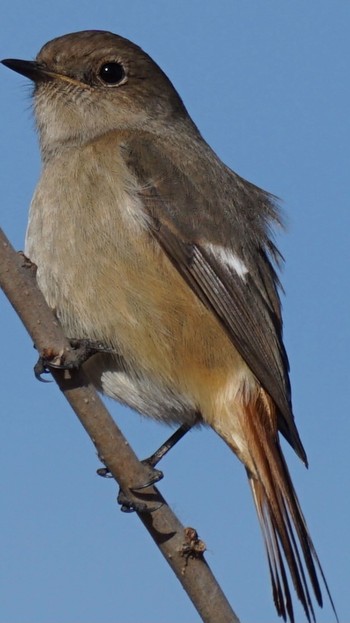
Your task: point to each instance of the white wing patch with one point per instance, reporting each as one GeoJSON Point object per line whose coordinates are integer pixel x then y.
{"type": "Point", "coordinates": [230, 259]}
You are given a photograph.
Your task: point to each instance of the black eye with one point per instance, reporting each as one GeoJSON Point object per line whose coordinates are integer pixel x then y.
{"type": "Point", "coordinates": [112, 73]}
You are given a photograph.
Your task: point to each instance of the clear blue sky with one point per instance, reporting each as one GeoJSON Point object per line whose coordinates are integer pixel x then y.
{"type": "Point", "coordinates": [268, 85]}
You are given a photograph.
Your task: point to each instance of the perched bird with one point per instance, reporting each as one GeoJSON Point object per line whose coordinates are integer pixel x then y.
{"type": "Point", "coordinates": [147, 243]}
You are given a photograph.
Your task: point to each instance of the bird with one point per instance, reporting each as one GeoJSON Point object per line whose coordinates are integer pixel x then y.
{"type": "Point", "coordinates": [146, 242]}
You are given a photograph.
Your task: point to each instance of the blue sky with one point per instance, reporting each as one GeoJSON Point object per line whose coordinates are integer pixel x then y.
{"type": "Point", "coordinates": [268, 85]}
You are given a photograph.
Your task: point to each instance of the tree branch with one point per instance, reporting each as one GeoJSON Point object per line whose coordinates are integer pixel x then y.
{"type": "Point", "coordinates": [179, 546]}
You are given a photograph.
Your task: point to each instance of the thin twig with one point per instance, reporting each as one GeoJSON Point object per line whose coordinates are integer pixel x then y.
{"type": "Point", "coordinates": [180, 547]}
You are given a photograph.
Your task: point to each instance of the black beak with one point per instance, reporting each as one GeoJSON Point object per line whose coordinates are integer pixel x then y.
{"type": "Point", "coordinates": [30, 69]}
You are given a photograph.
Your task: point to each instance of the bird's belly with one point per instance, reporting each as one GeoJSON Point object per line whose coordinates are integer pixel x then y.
{"type": "Point", "coordinates": [108, 280]}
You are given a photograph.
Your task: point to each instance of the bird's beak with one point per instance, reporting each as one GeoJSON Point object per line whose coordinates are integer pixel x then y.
{"type": "Point", "coordinates": [30, 69]}
{"type": "Point", "coordinates": [39, 73]}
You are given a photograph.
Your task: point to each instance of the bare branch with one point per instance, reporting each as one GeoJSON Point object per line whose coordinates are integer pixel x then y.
{"type": "Point", "coordinates": [180, 547]}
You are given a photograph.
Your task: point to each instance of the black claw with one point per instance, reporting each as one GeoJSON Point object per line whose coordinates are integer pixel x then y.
{"type": "Point", "coordinates": [127, 509]}
{"type": "Point", "coordinates": [131, 506]}
{"type": "Point", "coordinates": [104, 472]}
{"type": "Point", "coordinates": [39, 369]}
{"type": "Point", "coordinates": [128, 505]}
{"type": "Point", "coordinates": [155, 476]}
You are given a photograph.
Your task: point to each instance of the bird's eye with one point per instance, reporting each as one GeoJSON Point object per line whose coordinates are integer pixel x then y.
{"type": "Point", "coordinates": [112, 73]}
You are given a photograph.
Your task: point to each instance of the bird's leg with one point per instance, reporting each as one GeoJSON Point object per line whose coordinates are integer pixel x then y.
{"type": "Point", "coordinates": [154, 459]}
{"type": "Point", "coordinates": [81, 351]}
{"type": "Point", "coordinates": [128, 505]}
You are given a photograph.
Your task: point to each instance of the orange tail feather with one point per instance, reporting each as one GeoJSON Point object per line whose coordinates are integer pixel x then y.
{"type": "Point", "coordinates": [286, 536]}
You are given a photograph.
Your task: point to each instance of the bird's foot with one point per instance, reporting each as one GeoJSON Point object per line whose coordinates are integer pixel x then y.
{"type": "Point", "coordinates": [141, 504]}
{"type": "Point", "coordinates": [80, 351]}
{"type": "Point", "coordinates": [130, 502]}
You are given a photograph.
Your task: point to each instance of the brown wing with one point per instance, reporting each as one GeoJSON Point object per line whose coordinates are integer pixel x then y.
{"type": "Point", "coordinates": [196, 225]}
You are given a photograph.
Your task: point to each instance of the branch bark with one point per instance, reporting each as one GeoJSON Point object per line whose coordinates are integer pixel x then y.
{"type": "Point", "coordinates": [179, 546]}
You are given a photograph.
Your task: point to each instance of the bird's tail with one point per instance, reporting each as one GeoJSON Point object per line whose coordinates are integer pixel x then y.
{"type": "Point", "coordinates": [286, 536]}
